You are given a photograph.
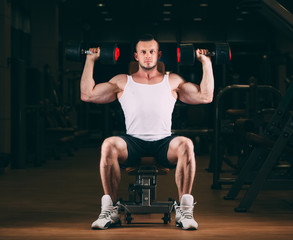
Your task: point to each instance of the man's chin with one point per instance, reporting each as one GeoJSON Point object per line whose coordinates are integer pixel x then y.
{"type": "Point", "coordinates": [148, 68]}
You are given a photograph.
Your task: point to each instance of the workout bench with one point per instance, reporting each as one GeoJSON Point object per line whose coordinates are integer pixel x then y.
{"type": "Point", "coordinates": [142, 194]}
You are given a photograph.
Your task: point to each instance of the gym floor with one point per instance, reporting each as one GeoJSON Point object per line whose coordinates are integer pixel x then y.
{"type": "Point", "coordinates": [61, 199]}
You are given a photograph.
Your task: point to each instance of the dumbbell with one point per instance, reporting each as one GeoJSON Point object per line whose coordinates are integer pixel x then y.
{"type": "Point", "coordinates": [76, 51]}
{"type": "Point", "coordinates": [186, 53]}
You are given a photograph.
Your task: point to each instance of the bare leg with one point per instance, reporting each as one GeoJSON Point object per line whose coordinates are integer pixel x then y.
{"type": "Point", "coordinates": [181, 151]}
{"type": "Point", "coordinates": [113, 151]}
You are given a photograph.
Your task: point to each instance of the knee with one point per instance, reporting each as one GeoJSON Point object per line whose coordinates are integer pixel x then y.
{"type": "Point", "coordinates": [185, 145]}
{"type": "Point", "coordinates": [112, 150]}
{"type": "Point", "coordinates": [186, 150]}
{"type": "Point", "coordinates": [107, 145]}
{"type": "Point", "coordinates": [108, 149]}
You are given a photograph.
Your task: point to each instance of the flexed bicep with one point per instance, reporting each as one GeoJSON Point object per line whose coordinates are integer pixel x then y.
{"type": "Point", "coordinates": [106, 92]}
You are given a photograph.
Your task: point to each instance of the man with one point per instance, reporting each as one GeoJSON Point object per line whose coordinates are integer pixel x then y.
{"type": "Point", "coordinates": [147, 98]}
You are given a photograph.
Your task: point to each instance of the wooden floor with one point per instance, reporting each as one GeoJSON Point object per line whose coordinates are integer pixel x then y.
{"type": "Point", "coordinates": [61, 199]}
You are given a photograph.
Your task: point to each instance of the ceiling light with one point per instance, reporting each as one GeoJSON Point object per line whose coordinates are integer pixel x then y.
{"type": "Point", "coordinates": [167, 4]}
{"type": "Point", "coordinates": [204, 5]}
{"type": "Point", "coordinates": [166, 12]}
{"type": "Point", "coordinates": [100, 5]}
{"type": "Point", "coordinates": [197, 19]}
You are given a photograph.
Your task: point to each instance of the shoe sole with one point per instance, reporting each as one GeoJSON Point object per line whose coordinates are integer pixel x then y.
{"type": "Point", "coordinates": [108, 225]}
{"type": "Point", "coordinates": [181, 226]}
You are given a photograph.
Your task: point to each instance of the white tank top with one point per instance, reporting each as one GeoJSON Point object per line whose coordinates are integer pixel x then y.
{"type": "Point", "coordinates": [148, 109]}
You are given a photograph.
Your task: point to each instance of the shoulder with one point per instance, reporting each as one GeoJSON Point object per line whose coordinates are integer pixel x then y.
{"type": "Point", "coordinates": [175, 81]}
{"type": "Point", "coordinates": [120, 80]}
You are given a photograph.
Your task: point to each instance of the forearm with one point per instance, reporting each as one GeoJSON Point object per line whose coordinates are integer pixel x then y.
{"type": "Point", "coordinates": [207, 82]}
{"type": "Point", "coordinates": [87, 83]}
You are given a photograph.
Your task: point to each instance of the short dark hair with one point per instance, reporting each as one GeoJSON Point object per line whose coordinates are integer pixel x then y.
{"type": "Point", "coordinates": [145, 38]}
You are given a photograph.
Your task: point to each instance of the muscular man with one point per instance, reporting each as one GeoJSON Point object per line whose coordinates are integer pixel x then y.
{"type": "Point", "coordinates": [147, 98]}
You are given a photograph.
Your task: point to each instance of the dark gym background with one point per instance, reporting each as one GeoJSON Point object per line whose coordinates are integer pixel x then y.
{"type": "Point", "coordinates": [34, 69]}
{"type": "Point", "coordinates": [42, 118]}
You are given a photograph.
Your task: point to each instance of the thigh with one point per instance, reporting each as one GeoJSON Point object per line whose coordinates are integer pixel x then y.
{"type": "Point", "coordinates": [160, 150]}
{"type": "Point", "coordinates": [135, 150]}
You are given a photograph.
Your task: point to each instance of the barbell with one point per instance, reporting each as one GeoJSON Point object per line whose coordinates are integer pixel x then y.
{"type": "Point", "coordinates": [76, 51]}
{"type": "Point", "coordinates": [220, 51]}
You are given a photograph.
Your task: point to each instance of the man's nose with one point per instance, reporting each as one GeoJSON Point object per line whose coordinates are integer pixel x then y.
{"type": "Point", "coordinates": [148, 54]}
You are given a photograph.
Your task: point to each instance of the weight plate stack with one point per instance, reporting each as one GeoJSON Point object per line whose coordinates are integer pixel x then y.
{"type": "Point", "coordinates": [223, 53]}
{"type": "Point", "coordinates": [186, 54]}
{"type": "Point", "coordinates": [109, 53]}
{"type": "Point", "coordinates": [73, 51]}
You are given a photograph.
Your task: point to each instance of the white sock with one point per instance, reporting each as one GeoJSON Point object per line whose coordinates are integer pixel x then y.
{"type": "Point", "coordinates": [107, 201]}
{"type": "Point", "coordinates": [187, 200]}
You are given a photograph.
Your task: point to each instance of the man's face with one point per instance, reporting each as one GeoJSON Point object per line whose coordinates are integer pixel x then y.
{"type": "Point", "coordinates": [147, 54]}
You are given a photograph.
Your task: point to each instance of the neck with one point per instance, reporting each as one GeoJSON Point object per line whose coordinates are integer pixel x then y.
{"type": "Point", "coordinates": [148, 73]}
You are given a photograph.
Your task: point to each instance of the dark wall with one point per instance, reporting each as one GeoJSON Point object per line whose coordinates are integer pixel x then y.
{"type": "Point", "coordinates": [38, 32]}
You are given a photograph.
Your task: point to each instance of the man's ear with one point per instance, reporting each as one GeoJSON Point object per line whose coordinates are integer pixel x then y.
{"type": "Point", "coordinates": [135, 56]}
{"type": "Point", "coordinates": [159, 54]}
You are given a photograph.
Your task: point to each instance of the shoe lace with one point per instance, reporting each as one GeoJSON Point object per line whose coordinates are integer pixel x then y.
{"type": "Point", "coordinates": [106, 212]}
{"type": "Point", "coordinates": [185, 211]}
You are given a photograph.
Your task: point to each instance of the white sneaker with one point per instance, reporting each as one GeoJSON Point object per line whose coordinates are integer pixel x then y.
{"type": "Point", "coordinates": [109, 216]}
{"type": "Point", "coordinates": [184, 213]}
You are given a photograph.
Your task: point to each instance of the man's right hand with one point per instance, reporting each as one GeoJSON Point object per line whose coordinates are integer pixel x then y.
{"type": "Point", "coordinates": [96, 54]}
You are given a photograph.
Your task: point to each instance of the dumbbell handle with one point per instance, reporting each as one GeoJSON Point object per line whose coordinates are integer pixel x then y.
{"type": "Point", "coordinates": [86, 52]}
{"type": "Point", "coordinates": [210, 54]}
